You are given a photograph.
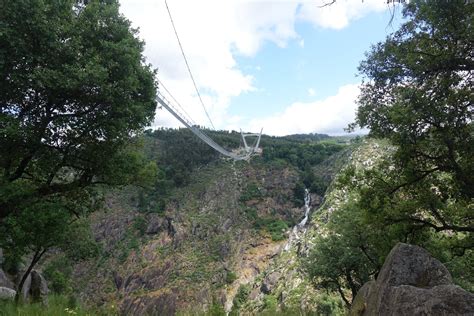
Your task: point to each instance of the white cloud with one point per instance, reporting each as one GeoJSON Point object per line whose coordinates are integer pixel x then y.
{"type": "Point", "coordinates": [311, 92]}
{"type": "Point", "coordinates": [213, 33]}
{"type": "Point", "coordinates": [329, 116]}
{"type": "Point", "coordinates": [339, 14]}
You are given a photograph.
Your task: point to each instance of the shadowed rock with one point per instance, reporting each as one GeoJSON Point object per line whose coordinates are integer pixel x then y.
{"type": "Point", "coordinates": [270, 282]}
{"type": "Point", "coordinates": [38, 288]}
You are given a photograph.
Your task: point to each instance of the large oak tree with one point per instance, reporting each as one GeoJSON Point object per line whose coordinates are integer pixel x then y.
{"type": "Point", "coordinates": [74, 91]}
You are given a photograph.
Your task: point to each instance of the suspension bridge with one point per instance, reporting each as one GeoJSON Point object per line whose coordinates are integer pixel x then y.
{"type": "Point", "coordinates": [185, 119]}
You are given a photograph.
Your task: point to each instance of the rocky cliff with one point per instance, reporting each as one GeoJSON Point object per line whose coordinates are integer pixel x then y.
{"type": "Point", "coordinates": [214, 235]}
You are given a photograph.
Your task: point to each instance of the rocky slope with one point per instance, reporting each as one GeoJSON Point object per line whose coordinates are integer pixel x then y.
{"type": "Point", "coordinates": [206, 229]}
{"type": "Point", "coordinates": [285, 281]}
{"type": "Point", "coordinates": [207, 242]}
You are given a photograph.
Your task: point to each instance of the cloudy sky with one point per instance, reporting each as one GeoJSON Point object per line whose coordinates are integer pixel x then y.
{"type": "Point", "coordinates": [284, 66]}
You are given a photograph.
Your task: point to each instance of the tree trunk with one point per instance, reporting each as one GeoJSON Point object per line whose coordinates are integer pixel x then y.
{"type": "Point", "coordinates": [36, 257]}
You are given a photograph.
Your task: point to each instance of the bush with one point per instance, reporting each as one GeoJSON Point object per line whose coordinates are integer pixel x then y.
{"type": "Point", "coordinates": [58, 272]}
{"type": "Point", "coordinates": [241, 296]}
{"type": "Point", "coordinates": [329, 305]}
{"type": "Point", "coordinates": [140, 225]}
{"type": "Point", "coordinates": [270, 303]}
{"type": "Point", "coordinates": [230, 277]}
{"type": "Point", "coordinates": [251, 192]}
{"type": "Point", "coordinates": [275, 227]}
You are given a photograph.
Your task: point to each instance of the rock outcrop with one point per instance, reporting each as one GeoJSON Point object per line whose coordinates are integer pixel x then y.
{"type": "Point", "coordinates": [412, 282]}
{"type": "Point", "coordinates": [38, 288]}
{"type": "Point", "coordinates": [270, 282]}
{"type": "Point", "coordinates": [7, 293]}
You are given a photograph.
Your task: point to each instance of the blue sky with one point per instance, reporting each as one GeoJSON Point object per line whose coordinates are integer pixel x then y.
{"type": "Point", "coordinates": [286, 66]}
{"type": "Point", "coordinates": [325, 60]}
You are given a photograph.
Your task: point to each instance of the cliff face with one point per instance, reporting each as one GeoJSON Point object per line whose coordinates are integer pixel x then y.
{"type": "Point", "coordinates": [218, 232]}
{"type": "Point", "coordinates": [223, 228]}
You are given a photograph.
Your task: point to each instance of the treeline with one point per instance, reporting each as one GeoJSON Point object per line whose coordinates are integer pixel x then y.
{"type": "Point", "coordinates": [178, 152]}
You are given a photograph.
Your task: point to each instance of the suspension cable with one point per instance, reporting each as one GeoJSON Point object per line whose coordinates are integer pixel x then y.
{"type": "Point", "coordinates": [187, 65]}
{"type": "Point", "coordinates": [189, 118]}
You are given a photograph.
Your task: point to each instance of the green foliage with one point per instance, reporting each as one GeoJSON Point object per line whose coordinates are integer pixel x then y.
{"type": "Point", "coordinates": [37, 227]}
{"type": "Point", "coordinates": [418, 89]}
{"type": "Point", "coordinates": [251, 192]}
{"type": "Point", "coordinates": [74, 91]}
{"type": "Point", "coordinates": [80, 243]}
{"type": "Point", "coordinates": [140, 225]}
{"type": "Point", "coordinates": [318, 185]}
{"type": "Point", "coordinates": [417, 93]}
{"type": "Point", "coordinates": [344, 258]}
{"type": "Point", "coordinates": [275, 227]}
{"type": "Point", "coordinates": [251, 214]}
{"type": "Point", "coordinates": [57, 273]}
{"type": "Point", "coordinates": [298, 194]}
{"type": "Point", "coordinates": [270, 303]}
{"type": "Point", "coordinates": [216, 309]}
{"type": "Point", "coordinates": [230, 277]}
{"type": "Point", "coordinates": [240, 298]}
{"type": "Point", "coordinates": [329, 305]}
{"type": "Point", "coordinates": [58, 305]}
{"type": "Point", "coordinates": [298, 154]}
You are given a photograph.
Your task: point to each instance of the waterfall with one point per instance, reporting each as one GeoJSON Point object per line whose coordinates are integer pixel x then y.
{"type": "Point", "coordinates": [307, 208]}
{"type": "Point", "coordinates": [300, 226]}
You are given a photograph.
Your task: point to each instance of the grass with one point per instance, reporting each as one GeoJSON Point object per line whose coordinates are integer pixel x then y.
{"type": "Point", "coordinates": [58, 305]}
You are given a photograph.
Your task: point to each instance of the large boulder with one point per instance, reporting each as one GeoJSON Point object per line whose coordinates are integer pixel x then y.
{"type": "Point", "coordinates": [412, 282]}
{"type": "Point", "coordinates": [35, 288]}
{"type": "Point", "coordinates": [38, 288]}
{"type": "Point", "coordinates": [7, 294]}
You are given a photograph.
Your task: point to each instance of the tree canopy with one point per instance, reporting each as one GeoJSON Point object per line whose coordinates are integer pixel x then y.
{"type": "Point", "coordinates": [75, 91]}
{"type": "Point", "coordinates": [418, 91]}
{"type": "Point", "coordinates": [417, 94]}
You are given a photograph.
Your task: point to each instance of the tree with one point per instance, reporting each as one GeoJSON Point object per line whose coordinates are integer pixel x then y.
{"type": "Point", "coordinates": [419, 90]}
{"type": "Point", "coordinates": [74, 92]}
{"type": "Point", "coordinates": [418, 93]}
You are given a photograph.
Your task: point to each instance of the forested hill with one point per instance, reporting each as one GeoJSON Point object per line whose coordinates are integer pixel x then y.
{"type": "Point", "coordinates": [299, 151]}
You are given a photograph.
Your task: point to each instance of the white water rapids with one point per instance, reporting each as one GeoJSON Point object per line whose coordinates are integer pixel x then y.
{"type": "Point", "coordinates": [300, 226]}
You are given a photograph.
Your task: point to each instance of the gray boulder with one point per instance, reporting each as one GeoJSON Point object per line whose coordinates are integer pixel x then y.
{"type": "Point", "coordinates": [38, 288]}
{"type": "Point", "coordinates": [7, 293]}
{"type": "Point", "coordinates": [411, 282]}
{"type": "Point", "coordinates": [5, 281]}
{"type": "Point", "coordinates": [35, 288]}
{"type": "Point", "coordinates": [270, 281]}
